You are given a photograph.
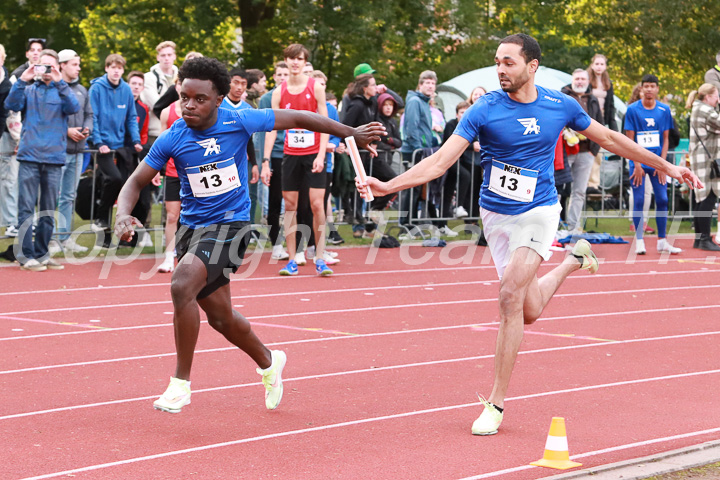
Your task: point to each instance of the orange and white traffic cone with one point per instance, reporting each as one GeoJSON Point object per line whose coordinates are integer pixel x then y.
{"type": "Point", "coordinates": [556, 448]}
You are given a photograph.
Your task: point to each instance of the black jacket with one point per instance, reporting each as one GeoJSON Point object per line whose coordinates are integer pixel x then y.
{"type": "Point", "coordinates": [609, 110]}
{"type": "Point", "coordinates": [359, 111]}
{"type": "Point", "coordinates": [5, 86]}
{"type": "Point", "coordinates": [593, 110]}
{"type": "Point", "coordinates": [393, 141]}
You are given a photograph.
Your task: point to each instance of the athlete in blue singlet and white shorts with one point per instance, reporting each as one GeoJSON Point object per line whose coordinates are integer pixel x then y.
{"type": "Point", "coordinates": [518, 129]}
{"type": "Point", "coordinates": [209, 146]}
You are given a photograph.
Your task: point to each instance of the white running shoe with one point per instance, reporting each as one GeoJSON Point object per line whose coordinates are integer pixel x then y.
{"type": "Point", "coordinates": [640, 247]}
{"type": "Point", "coordinates": [279, 253]}
{"type": "Point", "coordinates": [54, 248]}
{"type": "Point", "coordinates": [489, 420]}
{"type": "Point", "coordinates": [272, 379]}
{"type": "Point", "coordinates": [583, 252]}
{"type": "Point", "coordinates": [168, 265]}
{"type": "Point", "coordinates": [175, 397]}
{"type": "Point", "coordinates": [300, 258]}
{"type": "Point", "coordinates": [310, 252]}
{"type": "Point", "coordinates": [329, 259]}
{"type": "Point", "coordinates": [332, 253]}
{"type": "Point", "coordinates": [51, 264]}
{"type": "Point", "coordinates": [448, 232]}
{"type": "Point", "coordinates": [460, 212]}
{"type": "Point", "coordinates": [11, 231]}
{"type": "Point", "coordinates": [664, 246]}
{"type": "Point", "coordinates": [33, 265]}
{"type": "Point", "coordinates": [145, 240]}
{"type": "Point", "coordinates": [70, 245]}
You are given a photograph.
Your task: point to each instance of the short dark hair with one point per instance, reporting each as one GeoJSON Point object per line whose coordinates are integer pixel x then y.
{"type": "Point", "coordinates": [136, 73]}
{"type": "Point", "coordinates": [295, 50]}
{"type": "Point", "coordinates": [238, 72]}
{"type": "Point", "coordinates": [462, 105]}
{"type": "Point", "coordinates": [529, 47]}
{"type": "Point", "coordinates": [254, 76]}
{"type": "Point", "coordinates": [206, 68]}
{"type": "Point", "coordinates": [649, 78]}
{"type": "Point", "coordinates": [30, 41]}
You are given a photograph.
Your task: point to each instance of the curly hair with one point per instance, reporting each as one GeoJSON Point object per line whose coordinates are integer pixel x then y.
{"type": "Point", "coordinates": [205, 68]}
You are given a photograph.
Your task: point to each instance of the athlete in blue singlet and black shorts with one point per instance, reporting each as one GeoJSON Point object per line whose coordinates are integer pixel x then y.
{"type": "Point", "coordinates": [518, 129]}
{"type": "Point", "coordinates": [209, 146]}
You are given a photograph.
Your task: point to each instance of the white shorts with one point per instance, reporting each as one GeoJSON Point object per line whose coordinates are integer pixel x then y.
{"type": "Point", "coordinates": [534, 229]}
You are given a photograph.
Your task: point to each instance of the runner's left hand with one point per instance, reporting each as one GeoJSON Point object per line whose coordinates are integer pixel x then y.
{"type": "Point", "coordinates": [685, 175]}
{"type": "Point", "coordinates": [368, 133]}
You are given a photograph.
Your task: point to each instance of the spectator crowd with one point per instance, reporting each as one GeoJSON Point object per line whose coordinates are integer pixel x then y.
{"type": "Point", "coordinates": [55, 130]}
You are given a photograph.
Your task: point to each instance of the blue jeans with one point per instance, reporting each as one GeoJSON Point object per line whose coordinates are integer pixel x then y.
{"type": "Point", "coordinates": [661, 203]}
{"type": "Point", "coordinates": [32, 176]}
{"type": "Point", "coordinates": [8, 181]}
{"type": "Point", "coordinates": [68, 188]}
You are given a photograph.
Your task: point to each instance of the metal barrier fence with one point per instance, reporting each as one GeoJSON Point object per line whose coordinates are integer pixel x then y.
{"type": "Point", "coordinates": [420, 207]}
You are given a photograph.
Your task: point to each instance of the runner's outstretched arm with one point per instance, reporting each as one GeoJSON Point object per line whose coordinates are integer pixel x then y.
{"type": "Point", "coordinates": [427, 169]}
{"type": "Point", "coordinates": [364, 134]}
{"type": "Point", "coordinates": [621, 145]}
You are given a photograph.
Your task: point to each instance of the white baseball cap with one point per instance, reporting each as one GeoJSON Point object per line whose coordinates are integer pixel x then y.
{"type": "Point", "coordinates": [66, 55]}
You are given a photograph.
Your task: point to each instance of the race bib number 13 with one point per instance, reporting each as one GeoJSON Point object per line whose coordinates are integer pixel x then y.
{"type": "Point", "coordinates": [213, 178]}
{"type": "Point", "coordinates": [648, 139]}
{"type": "Point", "coordinates": [513, 182]}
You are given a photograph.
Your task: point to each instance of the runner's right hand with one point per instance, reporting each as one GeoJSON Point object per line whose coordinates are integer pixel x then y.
{"type": "Point", "coordinates": [124, 226]}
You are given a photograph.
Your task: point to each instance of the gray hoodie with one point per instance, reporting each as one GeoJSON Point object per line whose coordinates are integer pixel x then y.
{"type": "Point", "coordinates": [83, 118]}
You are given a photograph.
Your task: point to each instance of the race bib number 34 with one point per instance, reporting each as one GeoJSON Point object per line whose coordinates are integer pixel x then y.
{"type": "Point", "coordinates": [300, 138]}
{"type": "Point", "coordinates": [213, 178]}
{"type": "Point", "coordinates": [513, 182]}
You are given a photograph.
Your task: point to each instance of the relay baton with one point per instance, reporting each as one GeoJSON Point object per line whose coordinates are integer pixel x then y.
{"type": "Point", "coordinates": [358, 165]}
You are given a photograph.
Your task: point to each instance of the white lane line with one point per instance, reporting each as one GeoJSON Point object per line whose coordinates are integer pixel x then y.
{"type": "Point", "coordinates": [369, 335]}
{"type": "Point", "coordinates": [381, 307]}
{"type": "Point", "coordinates": [369, 370]}
{"type": "Point", "coordinates": [363, 289]}
{"type": "Point", "coordinates": [360, 422]}
{"type": "Point", "coordinates": [380, 272]}
{"type": "Point", "coordinates": [616, 448]}
{"type": "Point", "coordinates": [250, 279]}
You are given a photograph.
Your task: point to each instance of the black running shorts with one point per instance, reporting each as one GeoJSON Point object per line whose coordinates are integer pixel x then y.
{"type": "Point", "coordinates": [297, 171]}
{"type": "Point", "coordinates": [221, 248]}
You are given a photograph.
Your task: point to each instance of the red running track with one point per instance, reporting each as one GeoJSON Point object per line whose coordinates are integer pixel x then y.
{"type": "Point", "coordinates": [384, 362]}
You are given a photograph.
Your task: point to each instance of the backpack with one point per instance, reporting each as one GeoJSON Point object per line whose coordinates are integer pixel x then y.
{"type": "Point", "coordinates": [386, 241]}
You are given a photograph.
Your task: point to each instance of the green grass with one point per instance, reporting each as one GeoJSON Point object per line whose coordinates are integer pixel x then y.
{"type": "Point", "coordinates": [614, 226]}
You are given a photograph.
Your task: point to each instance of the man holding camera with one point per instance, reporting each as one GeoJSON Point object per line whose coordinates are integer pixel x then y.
{"type": "Point", "coordinates": [79, 128]}
{"type": "Point", "coordinates": [46, 103]}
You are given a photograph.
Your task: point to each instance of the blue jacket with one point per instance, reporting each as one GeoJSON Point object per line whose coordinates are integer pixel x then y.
{"type": "Point", "coordinates": [114, 114]}
{"type": "Point", "coordinates": [417, 124]}
{"type": "Point", "coordinates": [277, 151]}
{"type": "Point", "coordinates": [46, 109]}
{"type": "Point", "coordinates": [332, 115]}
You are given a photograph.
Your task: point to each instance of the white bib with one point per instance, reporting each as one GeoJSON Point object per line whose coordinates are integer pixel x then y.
{"type": "Point", "coordinates": [213, 178]}
{"type": "Point", "coordinates": [300, 138]}
{"type": "Point", "coordinates": [513, 182]}
{"type": "Point", "coordinates": [648, 139]}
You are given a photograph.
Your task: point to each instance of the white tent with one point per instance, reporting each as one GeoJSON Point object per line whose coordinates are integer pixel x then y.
{"type": "Point", "coordinates": [454, 91]}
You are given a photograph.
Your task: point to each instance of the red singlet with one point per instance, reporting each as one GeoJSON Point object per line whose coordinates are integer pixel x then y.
{"type": "Point", "coordinates": [170, 170]}
{"type": "Point", "coordinates": [298, 141]}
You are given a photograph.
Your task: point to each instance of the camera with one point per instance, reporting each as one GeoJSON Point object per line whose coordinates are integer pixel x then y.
{"type": "Point", "coordinates": [42, 69]}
